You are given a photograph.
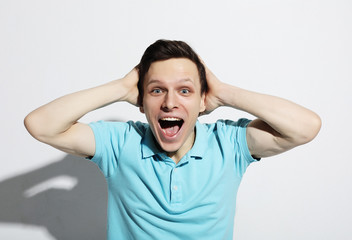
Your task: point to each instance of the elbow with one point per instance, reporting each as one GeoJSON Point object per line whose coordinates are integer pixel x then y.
{"type": "Point", "coordinates": [33, 126]}
{"type": "Point", "coordinates": [311, 129]}
{"type": "Point", "coordinates": [315, 127]}
{"type": "Point", "coordinates": [29, 125]}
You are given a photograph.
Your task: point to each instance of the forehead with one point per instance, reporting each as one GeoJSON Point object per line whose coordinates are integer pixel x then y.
{"type": "Point", "coordinates": [173, 69]}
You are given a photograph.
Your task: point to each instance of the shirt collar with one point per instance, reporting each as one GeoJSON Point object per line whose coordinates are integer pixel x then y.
{"type": "Point", "coordinates": [200, 145]}
{"type": "Point", "coordinates": [150, 148]}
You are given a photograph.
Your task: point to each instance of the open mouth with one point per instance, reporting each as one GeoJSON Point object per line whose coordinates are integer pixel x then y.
{"type": "Point", "coordinates": [170, 125]}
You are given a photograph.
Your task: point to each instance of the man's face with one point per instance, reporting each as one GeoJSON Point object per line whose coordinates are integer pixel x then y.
{"type": "Point", "coordinates": [172, 102]}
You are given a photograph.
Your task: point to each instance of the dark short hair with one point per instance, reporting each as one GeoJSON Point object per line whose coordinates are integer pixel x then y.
{"type": "Point", "coordinates": [164, 50]}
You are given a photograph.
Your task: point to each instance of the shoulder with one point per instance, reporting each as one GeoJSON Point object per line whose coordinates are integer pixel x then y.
{"type": "Point", "coordinates": [230, 136]}
{"type": "Point", "coordinates": [117, 128]}
{"type": "Point", "coordinates": [117, 124]}
{"type": "Point", "coordinates": [225, 125]}
{"type": "Point", "coordinates": [229, 131]}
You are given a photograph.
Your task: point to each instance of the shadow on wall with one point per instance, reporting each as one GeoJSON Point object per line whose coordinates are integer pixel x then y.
{"type": "Point", "coordinates": [77, 213]}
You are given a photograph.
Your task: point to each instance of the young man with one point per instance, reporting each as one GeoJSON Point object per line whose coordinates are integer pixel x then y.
{"type": "Point", "coordinates": [173, 178]}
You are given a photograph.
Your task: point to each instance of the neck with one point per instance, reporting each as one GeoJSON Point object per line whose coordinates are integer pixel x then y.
{"type": "Point", "coordinates": [181, 152]}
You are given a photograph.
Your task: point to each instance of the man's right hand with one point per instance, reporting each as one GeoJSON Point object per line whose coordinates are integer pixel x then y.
{"type": "Point", "coordinates": [130, 82]}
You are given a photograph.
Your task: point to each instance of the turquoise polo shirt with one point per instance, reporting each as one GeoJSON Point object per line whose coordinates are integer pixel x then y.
{"type": "Point", "coordinates": [151, 197]}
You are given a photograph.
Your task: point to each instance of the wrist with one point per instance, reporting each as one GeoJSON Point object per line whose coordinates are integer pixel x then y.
{"type": "Point", "coordinates": [126, 88]}
{"type": "Point", "coordinates": [227, 95]}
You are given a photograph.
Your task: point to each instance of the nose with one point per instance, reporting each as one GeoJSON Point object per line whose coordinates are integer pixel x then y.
{"type": "Point", "coordinates": [170, 101]}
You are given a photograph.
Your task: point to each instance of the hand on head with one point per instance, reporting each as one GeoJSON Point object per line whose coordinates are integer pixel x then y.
{"type": "Point", "coordinates": [130, 82]}
{"type": "Point", "coordinates": [212, 96]}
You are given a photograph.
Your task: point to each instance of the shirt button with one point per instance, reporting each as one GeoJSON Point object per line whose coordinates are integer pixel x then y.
{"type": "Point", "coordinates": [175, 188]}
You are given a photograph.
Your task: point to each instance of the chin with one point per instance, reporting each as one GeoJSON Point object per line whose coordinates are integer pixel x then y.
{"type": "Point", "coordinates": [169, 148]}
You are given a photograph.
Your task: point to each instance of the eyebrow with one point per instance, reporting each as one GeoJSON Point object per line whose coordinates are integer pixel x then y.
{"type": "Point", "coordinates": [158, 81]}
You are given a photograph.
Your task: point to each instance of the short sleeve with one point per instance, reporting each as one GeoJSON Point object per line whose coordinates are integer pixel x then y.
{"type": "Point", "coordinates": [109, 140]}
{"type": "Point", "coordinates": [234, 137]}
{"type": "Point", "coordinates": [241, 138]}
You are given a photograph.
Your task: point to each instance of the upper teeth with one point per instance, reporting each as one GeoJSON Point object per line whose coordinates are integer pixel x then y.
{"type": "Point", "coordinates": [171, 119]}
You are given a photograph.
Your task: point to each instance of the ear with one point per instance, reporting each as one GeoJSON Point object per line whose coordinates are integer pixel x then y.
{"type": "Point", "coordinates": [202, 103]}
{"type": "Point", "coordinates": [141, 109]}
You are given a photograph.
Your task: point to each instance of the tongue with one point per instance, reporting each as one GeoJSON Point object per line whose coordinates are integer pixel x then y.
{"type": "Point", "coordinates": [171, 131]}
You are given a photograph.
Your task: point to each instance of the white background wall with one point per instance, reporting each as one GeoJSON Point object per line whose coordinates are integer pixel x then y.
{"type": "Point", "coordinates": [300, 50]}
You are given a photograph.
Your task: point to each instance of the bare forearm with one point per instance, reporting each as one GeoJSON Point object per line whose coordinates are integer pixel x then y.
{"type": "Point", "coordinates": [292, 121]}
{"type": "Point", "coordinates": [281, 124]}
{"type": "Point", "coordinates": [59, 115]}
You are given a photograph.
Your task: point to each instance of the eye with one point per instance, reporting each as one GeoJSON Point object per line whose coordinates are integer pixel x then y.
{"type": "Point", "coordinates": [185, 91]}
{"type": "Point", "coordinates": [156, 91]}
